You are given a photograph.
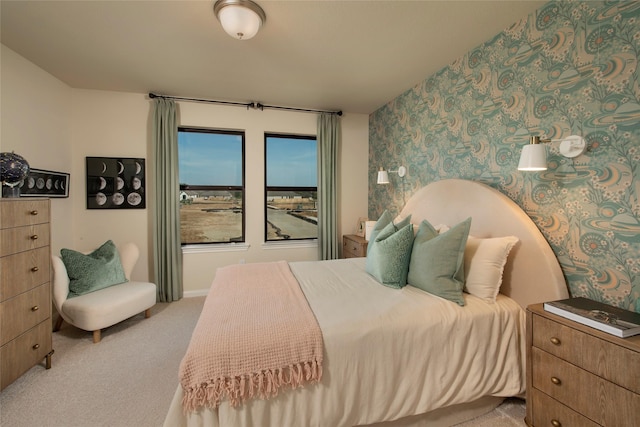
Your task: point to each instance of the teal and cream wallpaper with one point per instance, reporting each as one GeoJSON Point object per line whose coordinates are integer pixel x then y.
{"type": "Point", "coordinates": [570, 68]}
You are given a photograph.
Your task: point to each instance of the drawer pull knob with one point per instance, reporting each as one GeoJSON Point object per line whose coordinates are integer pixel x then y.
{"type": "Point", "coordinates": [555, 341]}
{"type": "Point", "coordinates": [34, 237]}
{"type": "Point", "coordinates": [556, 380]}
{"type": "Point", "coordinates": [35, 308]}
{"type": "Point", "coordinates": [34, 269]}
{"type": "Point", "coordinates": [34, 212]}
{"type": "Point", "coordinates": [36, 346]}
{"type": "Point", "coordinates": [556, 423]}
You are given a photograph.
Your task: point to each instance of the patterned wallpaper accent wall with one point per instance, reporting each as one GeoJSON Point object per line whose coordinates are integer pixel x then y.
{"type": "Point", "coordinates": [570, 68]}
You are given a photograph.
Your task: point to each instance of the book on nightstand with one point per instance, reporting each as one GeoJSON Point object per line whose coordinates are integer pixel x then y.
{"type": "Point", "coordinates": [607, 318]}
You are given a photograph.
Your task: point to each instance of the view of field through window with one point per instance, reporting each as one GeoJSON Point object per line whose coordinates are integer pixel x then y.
{"type": "Point", "coordinates": [291, 167]}
{"type": "Point", "coordinates": [211, 172]}
{"type": "Point", "coordinates": [211, 186]}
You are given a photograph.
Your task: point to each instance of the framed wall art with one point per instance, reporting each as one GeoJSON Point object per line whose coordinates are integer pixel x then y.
{"type": "Point", "coordinates": [44, 183]}
{"type": "Point", "coordinates": [115, 183]}
{"type": "Point", "coordinates": [360, 226]}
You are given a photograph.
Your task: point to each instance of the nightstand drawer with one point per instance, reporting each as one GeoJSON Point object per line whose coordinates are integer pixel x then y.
{"type": "Point", "coordinates": [594, 397]}
{"type": "Point", "coordinates": [553, 413]}
{"type": "Point", "coordinates": [564, 342]}
{"type": "Point", "coordinates": [353, 246]}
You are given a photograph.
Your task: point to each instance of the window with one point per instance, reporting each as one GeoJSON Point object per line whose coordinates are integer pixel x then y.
{"type": "Point", "coordinates": [291, 177]}
{"type": "Point", "coordinates": [211, 165]}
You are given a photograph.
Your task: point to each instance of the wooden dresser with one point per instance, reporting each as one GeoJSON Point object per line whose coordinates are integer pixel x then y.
{"type": "Point", "coordinates": [353, 246]}
{"type": "Point", "coordinates": [25, 287]}
{"type": "Point", "coordinates": [579, 376]}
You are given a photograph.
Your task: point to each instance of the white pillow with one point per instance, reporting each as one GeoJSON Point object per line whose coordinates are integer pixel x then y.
{"type": "Point", "coordinates": [484, 261]}
{"type": "Point", "coordinates": [440, 228]}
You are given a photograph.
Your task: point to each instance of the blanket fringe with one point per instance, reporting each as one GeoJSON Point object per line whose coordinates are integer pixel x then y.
{"type": "Point", "coordinates": [263, 384]}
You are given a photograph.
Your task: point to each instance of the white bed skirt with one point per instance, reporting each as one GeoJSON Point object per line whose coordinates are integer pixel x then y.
{"type": "Point", "coordinates": [442, 417]}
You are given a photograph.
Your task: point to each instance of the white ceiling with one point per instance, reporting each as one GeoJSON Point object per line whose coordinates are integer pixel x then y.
{"type": "Point", "coordinates": [336, 55]}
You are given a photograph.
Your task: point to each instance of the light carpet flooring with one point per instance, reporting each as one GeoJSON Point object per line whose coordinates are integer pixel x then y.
{"type": "Point", "coordinates": [129, 378]}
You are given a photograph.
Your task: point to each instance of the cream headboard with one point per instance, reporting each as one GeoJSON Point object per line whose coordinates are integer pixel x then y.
{"type": "Point", "coordinates": [532, 273]}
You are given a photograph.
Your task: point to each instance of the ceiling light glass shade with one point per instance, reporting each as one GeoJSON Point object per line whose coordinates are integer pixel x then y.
{"type": "Point", "coordinates": [533, 158]}
{"type": "Point", "coordinates": [240, 19]}
{"type": "Point", "coordinates": [383, 177]}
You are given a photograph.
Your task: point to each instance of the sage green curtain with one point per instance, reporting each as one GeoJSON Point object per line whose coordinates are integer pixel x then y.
{"type": "Point", "coordinates": [167, 252]}
{"type": "Point", "coordinates": [328, 148]}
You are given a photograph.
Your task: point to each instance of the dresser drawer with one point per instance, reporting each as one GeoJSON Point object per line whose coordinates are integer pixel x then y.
{"type": "Point", "coordinates": [24, 311]}
{"type": "Point", "coordinates": [602, 358]}
{"type": "Point", "coordinates": [18, 213]}
{"type": "Point", "coordinates": [24, 271]}
{"type": "Point", "coordinates": [594, 397]}
{"type": "Point", "coordinates": [20, 239]}
{"type": "Point", "coordinates": [19, 355]}
{"type": "Point", "coordinates": [549, 412]}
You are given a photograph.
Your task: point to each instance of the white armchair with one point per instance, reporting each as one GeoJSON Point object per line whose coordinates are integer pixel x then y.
{"type": "Point", "coordinates": [104, 307]}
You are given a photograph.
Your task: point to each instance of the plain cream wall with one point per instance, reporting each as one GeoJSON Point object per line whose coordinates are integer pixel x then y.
{"type": "Point", "coordinates": [354, 168]}
{"type": "Point", "coordinates": [110, 124]}
{"type": "Point", "coordinates": [35, 122]}
{"type": "Point", "coordinates": [55, 127]}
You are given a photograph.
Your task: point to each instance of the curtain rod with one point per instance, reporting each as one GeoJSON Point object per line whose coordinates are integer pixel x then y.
{"type": "Point", "coordinates": [253, 105]}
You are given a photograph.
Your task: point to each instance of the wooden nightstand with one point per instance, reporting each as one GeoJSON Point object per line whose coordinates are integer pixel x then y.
{"type": "Point", "coordinates": [353, 246]}
{"type": "Point", "coordinates": [579, 376]}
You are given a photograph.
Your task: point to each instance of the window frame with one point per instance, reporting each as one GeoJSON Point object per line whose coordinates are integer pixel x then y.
{"type": "Point", "coordinates": [241, 188]}
{"type": "Point", "coordinates": [267, 188]}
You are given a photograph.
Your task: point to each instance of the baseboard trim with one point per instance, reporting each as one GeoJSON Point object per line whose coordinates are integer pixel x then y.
{"type": "Point", "coordinates": [193, 294]}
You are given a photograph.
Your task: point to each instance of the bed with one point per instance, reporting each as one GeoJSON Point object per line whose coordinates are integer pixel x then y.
{"type": "Point", "coordinates": [404, 357]}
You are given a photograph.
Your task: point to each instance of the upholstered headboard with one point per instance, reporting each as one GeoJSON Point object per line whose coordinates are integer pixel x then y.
{"type": "Point", "coordinates": [532, 273]}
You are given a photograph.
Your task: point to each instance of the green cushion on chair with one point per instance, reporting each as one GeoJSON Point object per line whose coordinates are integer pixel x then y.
{"type": "Point", "coordinates": [89, 272]}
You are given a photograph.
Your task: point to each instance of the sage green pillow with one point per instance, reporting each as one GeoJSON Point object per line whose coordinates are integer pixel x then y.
{"type": "Point", "coordinates": [89, 272]}
{"type": "Point", "coordinates": [388, 259]}
{"type": "Point", "coordinates": [437, 261]}
{"type": "Point", "coordinates": [384, 220]}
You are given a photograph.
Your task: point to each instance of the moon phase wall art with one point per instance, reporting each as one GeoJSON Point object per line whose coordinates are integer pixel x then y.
{"type": "Point", "coordinates": [115, 183]}
{"type": "Point", "coordinates": [44, 183]}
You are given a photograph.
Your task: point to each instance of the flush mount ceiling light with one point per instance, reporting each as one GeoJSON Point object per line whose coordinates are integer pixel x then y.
{"type": "Point", "coordinates": [241, 19]}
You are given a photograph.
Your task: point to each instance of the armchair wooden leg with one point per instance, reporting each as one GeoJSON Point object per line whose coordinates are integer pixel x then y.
{"type": "Point", "coordinates": [147, 313]}
{"type": "Point", "coordinates": [96, 336]}
{"type": "Point", "coordinates": [58, 324]}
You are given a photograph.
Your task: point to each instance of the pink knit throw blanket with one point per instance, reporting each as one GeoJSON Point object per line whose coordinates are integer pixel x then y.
{"type": "Point", "coordinates": [256, 335]}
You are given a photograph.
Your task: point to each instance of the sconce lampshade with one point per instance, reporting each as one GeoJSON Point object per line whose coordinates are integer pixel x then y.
{"type": "Point", "coordinates": [533, 158]}
{"type": "Point", "coordinates": [383, 177]}
{"type": "Point", "coordinates": [240, 19]}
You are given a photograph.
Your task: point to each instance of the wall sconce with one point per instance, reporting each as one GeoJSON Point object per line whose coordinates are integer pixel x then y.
{"type": "Point", "coordinates": [534, 155]}
{"type": "Point", "coordinates": [383, 176]}
{"type": "Point", "coordinates": [240, 19]}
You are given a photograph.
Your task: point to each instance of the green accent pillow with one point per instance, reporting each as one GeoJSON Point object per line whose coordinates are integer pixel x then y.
{"type": "Point", "coordinates": [437, 261]}
{"type": "Point", "coordinates": [381, 223]}
{"type": "Point", "coordinates": [89, 272]}
{"type": "Point", "coordinates": [388, 259]}
{"type": "Point", "coordinates": [384, 220]}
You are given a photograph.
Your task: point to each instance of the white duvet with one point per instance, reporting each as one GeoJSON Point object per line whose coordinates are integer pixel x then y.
{"type": "Point", "coordinates": [388, 354]}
